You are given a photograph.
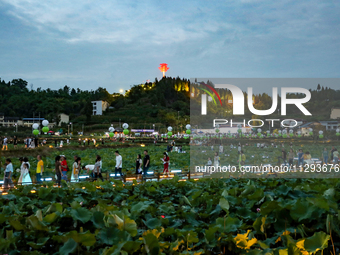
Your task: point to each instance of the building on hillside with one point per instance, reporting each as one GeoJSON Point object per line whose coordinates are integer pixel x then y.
{"type": "Point", "coordinates": [63, 118]}
{"type": "Point", "coordinates": [98, 107]}
{"type": "Point", "coordinates": [329, 126]}
{"type": "Point", "coordinates": [24, 122]}
{"type": "Point", "coordinates": [335, 113]}
{"type": "Point", "coordinates": [8, 121]}
{"type": "Point", "coordinates": [28, 122]}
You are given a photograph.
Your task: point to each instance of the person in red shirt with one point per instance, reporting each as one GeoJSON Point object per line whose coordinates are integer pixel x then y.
{"type": "Point", "coordinates": [166, 161]}
{"type": "Point", "coordinates": [64, 167]}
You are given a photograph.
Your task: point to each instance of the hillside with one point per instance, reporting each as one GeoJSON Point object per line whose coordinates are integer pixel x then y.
{"type": "Point", "coordinates": [163, 103]}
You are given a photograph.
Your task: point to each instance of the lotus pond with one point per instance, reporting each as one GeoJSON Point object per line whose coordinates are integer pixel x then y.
{"type": "Point", "coordinates": [209, 216]}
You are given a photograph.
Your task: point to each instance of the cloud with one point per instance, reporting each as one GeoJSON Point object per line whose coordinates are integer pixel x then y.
{"type": "Point", "coordinates": [84, 43]}
{"type": "Point", "coordinates": [112, 21]}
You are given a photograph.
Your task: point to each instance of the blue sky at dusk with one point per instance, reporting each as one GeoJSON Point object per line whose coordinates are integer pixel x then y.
{"type": "Point", "coordinates": [115, 44]}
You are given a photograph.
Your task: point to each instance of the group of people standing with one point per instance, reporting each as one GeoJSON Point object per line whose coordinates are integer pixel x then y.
{"type": "Point", "coordinates": [25, 178]}
{"type": "Point", "coordinates": [61, 168]}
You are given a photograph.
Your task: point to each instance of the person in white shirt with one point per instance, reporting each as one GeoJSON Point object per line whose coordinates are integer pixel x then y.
{"type": "Point", "coordinates": [8, 174]}
{"type": "Point", "coordinates": [4, 143]}
{"type": "Point", "coordinates": [119, 164]}
{"type": "Point", "coordinates": [101, 163]}
{"type": "Point", "coordinates": [89, 170]}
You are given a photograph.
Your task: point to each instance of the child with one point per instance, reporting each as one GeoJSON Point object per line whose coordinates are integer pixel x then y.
{"type": "Point", "coordinates": [166, 161]}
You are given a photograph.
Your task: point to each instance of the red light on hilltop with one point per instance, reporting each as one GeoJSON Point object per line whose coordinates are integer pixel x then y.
{"type": "Point", "coordinates": [163, 68]}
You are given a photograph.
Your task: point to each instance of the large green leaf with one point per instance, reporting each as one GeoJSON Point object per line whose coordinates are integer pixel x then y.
{"type": "Point", "coordinates": [317, 242]}
{"type": "Point", "coordinates": [151, 244]}
{"type": "Point", "coordinates": [50, 218]}
{"type": "Point", "coordinates": [69, 247]}
{"type": "Point", "coordinates": [109, 235]}
{"type": "Point", "coordinates": [259, 224]}
{"type": "Point", "coordinates": [98, 219]}
{"type": "Point", "coordinates": [126, 224]}
{"type": "Point", "coordinates": [153, 223]}
{"type": "Point", "coordinates": [302, 210]}
{"type": "Point", "coordinates": [139, 207]}
{"type": "Point", "coordinates": [81, 214]}
{"type": "Point", "coordinates": [86, 238]}
{"type": "Point", "coordinates": [16, 224]}
{"type": "Point", "coordinates": [224, 204]}
{"type": "Point", "coordinates": [40, 243]}
{"type": "Point", "coordinates": [36, 223]}
{"type": "Point", "coordinates": [228, 224]}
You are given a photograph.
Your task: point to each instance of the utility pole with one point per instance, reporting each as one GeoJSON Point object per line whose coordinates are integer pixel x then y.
{"type": "Point", "coordinates": [177, 120]}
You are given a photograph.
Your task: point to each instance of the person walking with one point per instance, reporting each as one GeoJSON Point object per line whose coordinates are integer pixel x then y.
{"type": "Point", "coordinates": [291, 157]}
{"type": "Point", "coordinates": [21, 160]}
{"type": "Point", "coordinates": [57, 170]}
{"type": "Point", "coordinates": [283, 157]}
{"type": "Point", "coordinates": [166, 161]}
{"type": "Point", "coordinates": [26, 180]}
{"type": "Point", "coordinates": [8, 175]}
{"type": "Point", "coordinates": [146, 163]}
{"type": "Point", "coordinates": [119, 164]}
{"type": "Point", "coordinates": [28, 163]}
{"type": "Point", "coordinates": [36, 142]}
{"type": "Point", "coordinates": [216, 160]}
{"type": "Point", "coordinates": [15, 141]}
{"type": "Point", "coordinates": [332, 151]}
{"type": "Point", "coordinates": [242, 159]}
{"type": "Point", "coordinates": [76, 169]}
{"type": "Point", "coordinates": [4, 145]}
{"type": "Point", "coordinates": [101, 162]}
{"type": "Point", "coordinates": [139, 163]}
{"type": "Point", "coordinates": [97, 170]}
{"type": "Point", "coordinates": [40, 169]}
{"type": "Point", "coordinates": [336, 156]}
{"type": "Point", "coordinates": [325, 156]}
{"type": "Point", "coordinates": [64, 167]}
{"type": "Point", "coordinates": [300, 157]}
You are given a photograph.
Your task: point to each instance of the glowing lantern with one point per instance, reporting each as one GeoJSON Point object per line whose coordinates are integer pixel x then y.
{"type": "Point", "coordinates": [163, 68]}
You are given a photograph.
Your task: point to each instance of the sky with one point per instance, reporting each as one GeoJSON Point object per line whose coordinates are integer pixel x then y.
{"type": "Point", "coordinates": [116, 44]}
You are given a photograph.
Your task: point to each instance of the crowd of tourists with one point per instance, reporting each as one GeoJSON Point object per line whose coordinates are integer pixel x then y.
{"type": "Point", "coordinates": [62, 167]}
{"type": "Point", "coordinates": [327, 156]}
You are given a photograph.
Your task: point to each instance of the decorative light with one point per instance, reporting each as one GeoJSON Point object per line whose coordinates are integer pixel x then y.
{"type": "Point", "coordinates": [163, 68]}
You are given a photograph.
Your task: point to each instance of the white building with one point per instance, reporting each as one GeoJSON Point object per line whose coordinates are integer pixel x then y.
{"type": "Point", "coordinates": [63, 118]}
{"type": "Point", "coordinates": [335, 113]}
{"type": "Point", "coordinates": [98, 107]}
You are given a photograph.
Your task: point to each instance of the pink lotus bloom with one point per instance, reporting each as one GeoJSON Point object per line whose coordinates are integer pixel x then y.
{"type": "Point", "coordinates": [258, 209]}
{"type": "Point", "coordinates": [81, 203]}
